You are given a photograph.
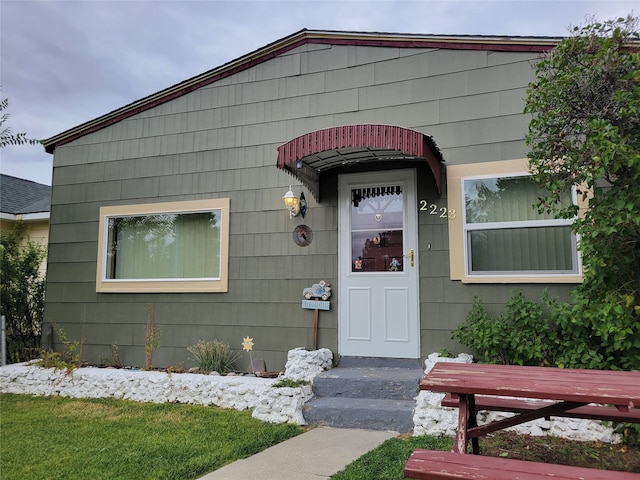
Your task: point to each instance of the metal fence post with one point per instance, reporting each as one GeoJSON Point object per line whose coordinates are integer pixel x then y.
{"type": "Point", "coordinates": [3, 340]}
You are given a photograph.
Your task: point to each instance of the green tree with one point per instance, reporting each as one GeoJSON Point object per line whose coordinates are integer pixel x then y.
{"type": "Point", "coordinates": [585, 133]}
{"type": "Point", "coordinates": [21, 292]}
{"type": "Point", "coordinates": [6, 137]}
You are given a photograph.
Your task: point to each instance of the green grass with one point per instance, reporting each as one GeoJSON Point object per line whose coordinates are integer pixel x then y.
{"type": "Point", "coordinates": [387, 461]}
{"type": "Point", "coordinates": [61, 438]}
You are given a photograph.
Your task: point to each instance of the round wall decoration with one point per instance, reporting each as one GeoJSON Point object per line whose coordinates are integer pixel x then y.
{"type": "Point", "coordinates": [302, 235]}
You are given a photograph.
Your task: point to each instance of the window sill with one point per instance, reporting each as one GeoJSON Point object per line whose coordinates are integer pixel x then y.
{"type": "Point", "coordinates": [529, 279]}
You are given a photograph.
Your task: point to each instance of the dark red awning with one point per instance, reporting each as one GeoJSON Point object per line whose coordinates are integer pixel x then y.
{"type": "Point", "coordinates": [306, 156]}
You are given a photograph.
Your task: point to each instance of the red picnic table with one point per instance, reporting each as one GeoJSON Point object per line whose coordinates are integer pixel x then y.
{"type": "Point", "coordinates": [562, 391]}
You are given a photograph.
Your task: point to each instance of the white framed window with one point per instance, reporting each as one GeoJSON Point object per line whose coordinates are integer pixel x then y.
{"type": "Point", "coordinates": [505, 235]}
{"type": "Point", "coordinates": [164, 247]}
{"type": "Point", "coordinates": [499, 235]}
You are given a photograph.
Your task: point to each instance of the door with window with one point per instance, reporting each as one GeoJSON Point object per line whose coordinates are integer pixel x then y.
{"type": "Point", "coordinates": [378, 265]}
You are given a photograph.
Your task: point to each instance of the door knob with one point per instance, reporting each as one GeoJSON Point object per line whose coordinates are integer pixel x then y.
{"type": "Point", "coordinates": [410, 255]}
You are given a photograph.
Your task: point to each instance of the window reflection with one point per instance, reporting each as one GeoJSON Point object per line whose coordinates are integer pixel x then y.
{"type": "Point", "coordinates": [377, 229]}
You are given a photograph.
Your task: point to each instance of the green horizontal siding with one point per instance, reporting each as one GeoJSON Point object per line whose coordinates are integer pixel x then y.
{"type": "Point", "coordinates": [221, 141]}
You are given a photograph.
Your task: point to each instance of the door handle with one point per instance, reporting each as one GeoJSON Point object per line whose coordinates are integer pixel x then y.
{"type": "Point", "coordinates": [410, 255]}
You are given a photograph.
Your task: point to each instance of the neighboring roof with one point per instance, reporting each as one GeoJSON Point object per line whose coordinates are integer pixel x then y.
{"type": "Point", "coordinates": [272, 50]}
{"type": "Point", "coordinates": [21, 197]}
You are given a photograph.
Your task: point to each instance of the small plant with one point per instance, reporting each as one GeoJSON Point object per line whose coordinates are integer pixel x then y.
{"type": "Point", "coordinates": [214, 356]}
{"type": "Point", "coordinates": [115, 357]}
{"type": "Point", "coordinates": [289, 382]}
{"type": "Point", "coordinates": [630, 433]}
{"type": "Point", "coordinates": [171, 369]}
{"type": "Point", "coordinates": [113, 361]}
{"type": "Point", "coordinates": [70, 357]}
{"type": "Point", "coordinates": [151, 338]}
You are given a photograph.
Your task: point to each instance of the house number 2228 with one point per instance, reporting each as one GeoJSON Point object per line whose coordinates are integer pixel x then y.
{"type": "Point", "coordinates": [434, 209]}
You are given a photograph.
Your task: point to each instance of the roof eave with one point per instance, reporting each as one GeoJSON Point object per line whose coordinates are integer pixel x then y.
{"type": "Point", "coordinates": [25, 217]}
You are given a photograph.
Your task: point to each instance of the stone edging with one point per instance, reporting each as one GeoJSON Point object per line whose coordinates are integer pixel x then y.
{"type": "Point", "coordinates": [276, 405]}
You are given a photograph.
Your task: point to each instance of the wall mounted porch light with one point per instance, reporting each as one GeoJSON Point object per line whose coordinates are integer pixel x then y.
{"type": "Point", "coordinates": [292, 203]}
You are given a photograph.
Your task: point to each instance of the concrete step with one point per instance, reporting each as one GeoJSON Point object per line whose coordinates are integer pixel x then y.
{"type": "Point", "coordinates": [366, 413]}
{"type": "Point", "coordinates": [362, 393]}
{"type": "Point", "coordinates": [378, 362]}
{"type": "Point", "coordinates": [380, 383]}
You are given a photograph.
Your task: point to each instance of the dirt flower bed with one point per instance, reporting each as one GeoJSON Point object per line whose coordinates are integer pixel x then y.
{"type": "Point", "coordinates": [567, 452]}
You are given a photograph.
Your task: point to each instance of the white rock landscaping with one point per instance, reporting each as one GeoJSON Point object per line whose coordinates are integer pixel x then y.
{"type": "Point", "coordinates": [275, 405]}
{"type": "Point", "coordinates": [305, 365]}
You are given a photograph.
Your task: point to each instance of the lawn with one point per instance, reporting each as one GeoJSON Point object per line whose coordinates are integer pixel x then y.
{"type": "Point", "coordinates": [62, 438]}
{"type": "Point", "coordinates": [387, 461]}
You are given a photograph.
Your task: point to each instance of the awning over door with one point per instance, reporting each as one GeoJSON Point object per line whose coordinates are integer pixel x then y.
{"type": "Point", "coordinates": [306, 156]}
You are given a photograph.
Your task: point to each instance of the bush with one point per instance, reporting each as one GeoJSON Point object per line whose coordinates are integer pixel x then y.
{"type": "Point", "coordinates": [582, 334]}
{"type": "Point", "coordinates": [21, 292]}
{"type": "Point", "coordinates": [599, 334]}
{"type": "Point", "coordinates": [532, 339]}
{"type": "Point", "coordinates": [214, 356]}
{"type": "Point", "coordinates": [523, 334]}
{"type": "Point", "coordinates": [583, 135]}
{"type": "Point", "coordinates": [485, 336]}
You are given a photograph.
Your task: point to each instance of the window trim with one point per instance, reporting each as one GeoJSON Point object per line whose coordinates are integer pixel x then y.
{"type": "Point", "coordinates": [458, 254]}
{"type": "Point", "coordinates": [105, 285]}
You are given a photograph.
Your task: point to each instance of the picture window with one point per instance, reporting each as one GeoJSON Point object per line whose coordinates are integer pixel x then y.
{"type": "Point", "coordinates": [180, 246]}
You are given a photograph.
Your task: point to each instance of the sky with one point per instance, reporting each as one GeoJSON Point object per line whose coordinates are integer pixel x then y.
{"type": "Point", "coordinates": [63, 63]}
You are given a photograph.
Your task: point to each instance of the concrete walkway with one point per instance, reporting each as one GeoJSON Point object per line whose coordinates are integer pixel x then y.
{"type": "Point", "coordinates": [313, 455]}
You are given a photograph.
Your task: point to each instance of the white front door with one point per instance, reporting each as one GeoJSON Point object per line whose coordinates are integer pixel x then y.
{"type": "Point", "coordinates": [378, 312]}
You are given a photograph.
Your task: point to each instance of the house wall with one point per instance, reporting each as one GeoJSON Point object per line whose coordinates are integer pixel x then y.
{"type": "Point", "coordinates": [220, 141]}
{"type": "Point", "coordinates": [37, 231]}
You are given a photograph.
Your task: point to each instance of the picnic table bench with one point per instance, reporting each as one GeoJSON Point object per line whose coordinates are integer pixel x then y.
{"type": "Point", "coordinates": [521, 405]}
{"type": "Point", "coordinates": [531, 393]}
{"type": "Point", "coordinates": [437, 465]}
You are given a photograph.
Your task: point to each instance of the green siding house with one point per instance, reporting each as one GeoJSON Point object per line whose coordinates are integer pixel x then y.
{"type": "Point", "coordinates": [406, 156]}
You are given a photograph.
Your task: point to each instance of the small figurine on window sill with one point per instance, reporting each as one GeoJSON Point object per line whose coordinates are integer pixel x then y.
{"type": "Point", "coordinates": [395, 265]}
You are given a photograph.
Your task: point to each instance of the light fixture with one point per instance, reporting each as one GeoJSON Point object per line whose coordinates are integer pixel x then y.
{"type": "Point", "coordinates": [292, 203]}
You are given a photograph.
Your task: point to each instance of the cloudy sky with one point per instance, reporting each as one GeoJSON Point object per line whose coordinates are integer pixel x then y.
{"type": "Point", "coordinates": [63, 63]}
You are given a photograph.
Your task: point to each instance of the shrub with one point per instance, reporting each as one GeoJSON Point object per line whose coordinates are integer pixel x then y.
{"type": "Point", "coordinates": [550, 333]}
{"type": "Point", "coordinates": [22, 292]}
{"type": "Point", "coordinates": [599, 334]}
{"type": "Point", "coordinates": [583, 134]}
{"type": "Point", "coordinates": [214, 356]}
{"type": "Point", "coordinates": [523, 334]}
{"type": "Point", "coordinates": [485, 336]}
{"type": "Point", "coordinates": [531, 331]}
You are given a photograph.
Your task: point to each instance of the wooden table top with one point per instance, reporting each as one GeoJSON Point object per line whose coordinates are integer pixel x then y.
{"type": "Point", "coordinates": [574, 385]}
